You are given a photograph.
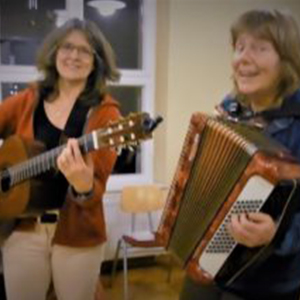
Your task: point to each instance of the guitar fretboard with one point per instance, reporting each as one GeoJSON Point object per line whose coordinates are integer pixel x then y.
{"type": "Point", "coordinates": [45, 161]}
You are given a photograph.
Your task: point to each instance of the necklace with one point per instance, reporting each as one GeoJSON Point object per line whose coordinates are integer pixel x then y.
{"type": "Point", "coordinates": [57, 111]}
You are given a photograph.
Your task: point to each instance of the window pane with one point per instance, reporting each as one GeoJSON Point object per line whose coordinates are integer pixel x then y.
{"type": "Point", "coordinates": [122, 29]}
{"type": "Point", "coordinates": [23, 25]}
{"type": "Point", "coordinates": [11, 88]}
{"type": "Point", "coordinates": [129, 98]}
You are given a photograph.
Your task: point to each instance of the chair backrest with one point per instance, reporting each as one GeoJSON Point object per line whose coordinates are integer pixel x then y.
{"type": "Point", "coordinates": [142, 198]}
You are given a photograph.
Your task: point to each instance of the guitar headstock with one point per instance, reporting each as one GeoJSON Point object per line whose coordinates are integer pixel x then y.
{"type": "Point", "coordinates": [128, 131]}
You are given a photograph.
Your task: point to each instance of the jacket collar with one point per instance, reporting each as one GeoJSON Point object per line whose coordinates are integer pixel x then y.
{"type": "Point", "coordinates": [288, 112]}
{"type": "Point", "coordinates": [276, 119]}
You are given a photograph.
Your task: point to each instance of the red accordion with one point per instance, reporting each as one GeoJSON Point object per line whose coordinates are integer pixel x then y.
{"type": "Point", "coordinates": [225, 168]}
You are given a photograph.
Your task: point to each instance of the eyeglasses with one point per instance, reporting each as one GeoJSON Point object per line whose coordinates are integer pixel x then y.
{"type": "Point", "coordinates": [82, 51]}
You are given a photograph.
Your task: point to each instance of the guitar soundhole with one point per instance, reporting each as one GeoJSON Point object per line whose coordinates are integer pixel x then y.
{"type": "Point", "coordinates": [5, 181]}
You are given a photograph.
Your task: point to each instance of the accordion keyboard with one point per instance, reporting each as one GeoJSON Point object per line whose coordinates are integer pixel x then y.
{"type": "Point", "coordinates": [251, 199]}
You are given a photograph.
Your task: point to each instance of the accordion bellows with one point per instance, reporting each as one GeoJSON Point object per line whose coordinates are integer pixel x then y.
{"type": "Point", "coordinates": [224, 168]}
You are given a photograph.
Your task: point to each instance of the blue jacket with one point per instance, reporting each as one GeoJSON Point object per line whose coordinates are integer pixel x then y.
{"type": "Point", "coordinates": [280, 272]}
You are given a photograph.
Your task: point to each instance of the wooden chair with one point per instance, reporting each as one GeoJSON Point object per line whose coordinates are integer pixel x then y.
{"type": "Point", "coordinates": [136, 201]}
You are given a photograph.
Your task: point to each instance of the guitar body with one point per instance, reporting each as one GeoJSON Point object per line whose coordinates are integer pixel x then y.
{"type": "Point", "coordinates": [14, 201]}
{"type": "Point", "coordinates": [25, 197]}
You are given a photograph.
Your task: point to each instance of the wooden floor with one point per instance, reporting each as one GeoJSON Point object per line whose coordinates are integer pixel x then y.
{"type": "Point", "coordinates": [149, 282]}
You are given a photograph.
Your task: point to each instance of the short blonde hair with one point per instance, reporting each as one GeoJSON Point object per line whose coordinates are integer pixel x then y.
{"type": "Point", "coordinates": [281, 29]}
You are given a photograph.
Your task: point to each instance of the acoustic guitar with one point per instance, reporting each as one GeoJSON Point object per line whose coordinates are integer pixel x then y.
{"type": "Point", "coordinates": [23, 190]}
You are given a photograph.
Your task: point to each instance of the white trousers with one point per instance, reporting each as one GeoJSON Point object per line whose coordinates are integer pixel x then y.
{"type": "Point", "coordinates": [30, 262]}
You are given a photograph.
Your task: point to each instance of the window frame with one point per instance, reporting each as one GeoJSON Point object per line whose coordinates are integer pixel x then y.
{"type": "Point", "coordinates": [143, 78]}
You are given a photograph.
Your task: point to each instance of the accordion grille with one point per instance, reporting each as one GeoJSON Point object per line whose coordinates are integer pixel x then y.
{"type": "Point", "coordinates": [221, 157]}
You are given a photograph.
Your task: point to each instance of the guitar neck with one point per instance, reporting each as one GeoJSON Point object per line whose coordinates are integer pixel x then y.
{"type": "Point", "coordinates": [124, 132]}
{"type": "Point", "coordinates": [47, 160]}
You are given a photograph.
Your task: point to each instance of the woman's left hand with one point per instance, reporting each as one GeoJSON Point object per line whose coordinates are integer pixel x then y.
{"type": "Point", "coordinates": [252, 229]}
{"type": "Point", "coordinates": [78, 171]}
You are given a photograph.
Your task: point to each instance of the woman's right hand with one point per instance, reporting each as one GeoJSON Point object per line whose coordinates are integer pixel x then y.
{"type": "Point", "coordinates": [252, 229]}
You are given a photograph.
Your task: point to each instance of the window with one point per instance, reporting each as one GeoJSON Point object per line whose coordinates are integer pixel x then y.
{"type": "Point", "coordinates": [123, 29]}
{"type": "Point", "coordinates": [131, 31]}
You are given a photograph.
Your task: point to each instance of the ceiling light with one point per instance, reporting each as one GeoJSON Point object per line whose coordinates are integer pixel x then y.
{"type": "Point", "coordinates": [107, 7]}
{"type": "Point", "coordinates": [61, 16]}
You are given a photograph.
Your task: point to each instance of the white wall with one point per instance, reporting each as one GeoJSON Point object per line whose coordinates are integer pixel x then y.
{"type": "Point", "coordinates": [193, 66]}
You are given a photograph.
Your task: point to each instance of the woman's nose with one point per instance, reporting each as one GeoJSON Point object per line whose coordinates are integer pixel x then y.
{"type": "Point", "coordinates": [75, 53]}
{"type": "Point", "coordinates": [244, 54]}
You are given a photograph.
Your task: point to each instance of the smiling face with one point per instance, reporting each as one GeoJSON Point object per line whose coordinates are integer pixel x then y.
{"type": "Point", "coordinates": [75, 58]}
{"type": "Point", "coordinates": [256, 70]}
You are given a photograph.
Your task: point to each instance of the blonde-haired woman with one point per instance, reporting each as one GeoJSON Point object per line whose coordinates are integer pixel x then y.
{"type": "Point", "coordinates": [266, 75]}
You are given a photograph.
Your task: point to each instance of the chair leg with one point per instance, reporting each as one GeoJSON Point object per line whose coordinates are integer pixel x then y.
{"type": "Point", "coordinates": [114, 267]}
{"type": "Point", "coordinates": [125, 270]}
{"type": "Point", "coordinates": [169, 269]}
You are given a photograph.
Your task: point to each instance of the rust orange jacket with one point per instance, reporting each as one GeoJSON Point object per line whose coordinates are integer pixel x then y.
{"type": "Point", "coordinates": [80, 224]}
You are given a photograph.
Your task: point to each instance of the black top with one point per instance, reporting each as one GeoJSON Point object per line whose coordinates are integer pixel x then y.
{"type": "Point", "coordinates": [52, 137]}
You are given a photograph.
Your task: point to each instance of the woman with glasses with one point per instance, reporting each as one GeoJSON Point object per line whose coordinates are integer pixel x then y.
{"type": "Point", "coordinates": [76, 62]}
{"type": "Point", "coordinates": [266, 77]}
